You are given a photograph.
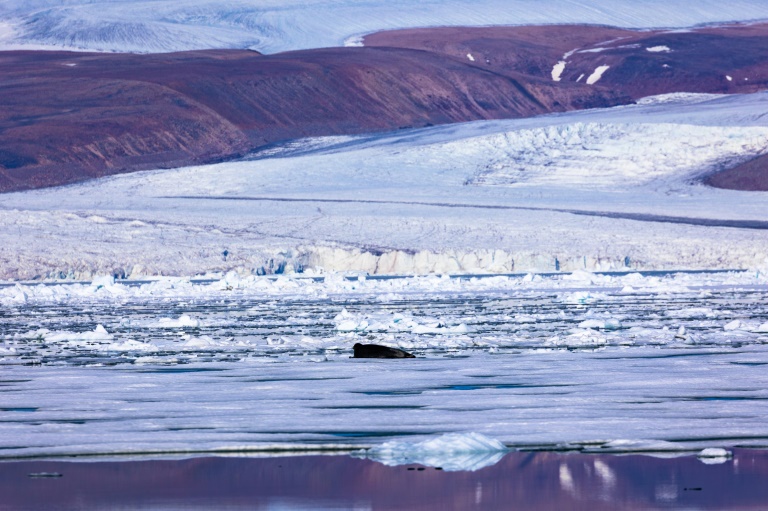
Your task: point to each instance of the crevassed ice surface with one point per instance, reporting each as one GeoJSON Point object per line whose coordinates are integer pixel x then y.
{"type": "Point", "coordinates": [597, 190]}
{"type": "Point", "coordinates": [606, 363]}
{"type": "Point", "coordinates": [271, 26]}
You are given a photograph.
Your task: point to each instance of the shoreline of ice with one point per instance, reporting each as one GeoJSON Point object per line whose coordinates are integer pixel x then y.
{"type": "Point", "coordinates": [232, 284]}
{"type": "Point", "coordinates": [468, 451]}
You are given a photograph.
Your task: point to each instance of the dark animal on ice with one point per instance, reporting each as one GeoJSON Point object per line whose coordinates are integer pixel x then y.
{"type": "Point", "coordinates": [378, 351]}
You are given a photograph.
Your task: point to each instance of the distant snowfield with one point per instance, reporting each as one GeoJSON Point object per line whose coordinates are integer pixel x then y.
{"type": "Point", "coordinates": [594, 190]}
{"type": "Point", "coordinates": [271, 25]}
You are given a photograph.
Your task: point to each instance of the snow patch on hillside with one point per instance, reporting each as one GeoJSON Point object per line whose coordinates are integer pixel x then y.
{"type": "Point", "coordinates": [597, 74]}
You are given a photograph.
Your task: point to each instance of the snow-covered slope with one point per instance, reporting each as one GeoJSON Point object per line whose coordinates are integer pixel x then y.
{"type": "Point", "coordinates": [596, 190]}
{"type": "Point", "coordinates": [277, 25]}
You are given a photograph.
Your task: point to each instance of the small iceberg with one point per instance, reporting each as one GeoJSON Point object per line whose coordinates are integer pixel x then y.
{"type": "Point", "coordinates": [714, 455]}
{"type": "Point", "coordinates": [453, 452]}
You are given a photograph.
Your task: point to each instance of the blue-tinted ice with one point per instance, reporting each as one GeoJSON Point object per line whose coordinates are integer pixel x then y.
{"type": "Point", "coordinates": [584, 362]}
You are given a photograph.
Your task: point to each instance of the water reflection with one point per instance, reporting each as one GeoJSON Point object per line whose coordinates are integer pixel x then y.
{"type": "Point", "coordinates": [530, 481]}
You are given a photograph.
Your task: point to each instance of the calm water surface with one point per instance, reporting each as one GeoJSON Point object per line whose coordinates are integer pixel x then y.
{"type": "Point", "coordinates": [521, 480]}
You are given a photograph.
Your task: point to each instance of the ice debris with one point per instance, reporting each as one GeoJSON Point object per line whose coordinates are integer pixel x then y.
{"type": "Point", "coordinates": [714, 456]}
{"type": "Point", "coordinates": [714, 452]}
{"type": "Point", "coordinates": [452, 452]}
{"type": "Point", "coordinates": [183, 321]}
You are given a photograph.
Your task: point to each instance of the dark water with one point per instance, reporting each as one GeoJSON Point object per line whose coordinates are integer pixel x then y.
{"type": "Point", "coordinates": [521, 481]}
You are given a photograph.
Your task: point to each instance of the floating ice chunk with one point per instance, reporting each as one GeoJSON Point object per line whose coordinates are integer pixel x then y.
{"type": "Point", "coordinates": [470, 57]}
{"type": "Point", "coordinates": [129, 345]}
{"type": "Point", "coordinates": [155, 360]}
{"type": "Point", "coordinates": [693, 312]}
{"type": "Point", "coordinates": [597, 74]}
{"type": "Point", "coordinates": [439, 328]}
{"type": "Point", "coordinates": [729, 78]}
{"type": "Point", "coordinates": [352, 326]}
{"type": "Point", "coordinates": [762, 328]}
{"type": "Point", "coordinates": [733, 325]}
{"type": "Point", "coordinates": [580, 338]}
{"type": "Point", "coordinates": [592, 323]}
{"type": "Point", "coordinates": [452, 452]}
{"type": "Point", "coordinates": [714, 452]}
{"type": "Point", "coordinates": [582, 297]}
{"type": "Point", "coordinates": [184, 320]}
{"type": "Point", "coordinates": [98, 334]}
{"type": "Point", "coordinates": [557, 70]}
{"type": "Point", "coordinates": [581, 276]}
{"type": "Point", "coordinates": [346, 322]}
{"type": "Point", "coordinates": [659, 49]}
{"type": "Point", "coordinates": [204, 341]}
{"type": "Point", "coordinates": [105, 281]}
{"type": "Point", "coordinates": [19, 295]}
{"type": "Point", "coordinates": [714, 456]}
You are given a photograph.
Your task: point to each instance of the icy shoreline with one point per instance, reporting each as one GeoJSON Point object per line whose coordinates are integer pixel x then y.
{"type": "Point", "coordinates": [109, 289]}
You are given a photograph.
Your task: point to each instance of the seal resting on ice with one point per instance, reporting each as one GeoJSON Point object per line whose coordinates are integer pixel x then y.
{"type": "Point", "coordinates": [378, 351]}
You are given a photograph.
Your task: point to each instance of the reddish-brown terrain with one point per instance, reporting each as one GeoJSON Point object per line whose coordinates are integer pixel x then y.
{"type": "Point", "coordinates": [699, 60]}
{"type": "Point", "coordinates": [750, 176]}
{"type": "Point", "coordinates": [66, 117]}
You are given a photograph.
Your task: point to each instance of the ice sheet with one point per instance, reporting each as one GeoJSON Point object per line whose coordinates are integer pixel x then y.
{"type": "Point", "coordinates": [271, 25]}
{"type": "Point", "coordinates": [578, 191]}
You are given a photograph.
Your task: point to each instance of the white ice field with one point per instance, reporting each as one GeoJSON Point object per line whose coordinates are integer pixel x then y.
{"type": "Point", "coordinates": [278, 25]}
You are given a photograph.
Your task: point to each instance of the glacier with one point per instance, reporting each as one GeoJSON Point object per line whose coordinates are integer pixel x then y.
{"type": "Point", "coordinates": [271, 26]}
{"type": "Point", "coordinates": [598, 190]}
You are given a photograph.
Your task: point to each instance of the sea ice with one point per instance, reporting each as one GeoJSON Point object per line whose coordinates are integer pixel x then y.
{"type": "Point", "coordinates": [452, 452]}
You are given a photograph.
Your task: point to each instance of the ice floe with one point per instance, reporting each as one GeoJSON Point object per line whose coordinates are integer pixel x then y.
{"type": "Point", "coordinates": [451, 452]}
